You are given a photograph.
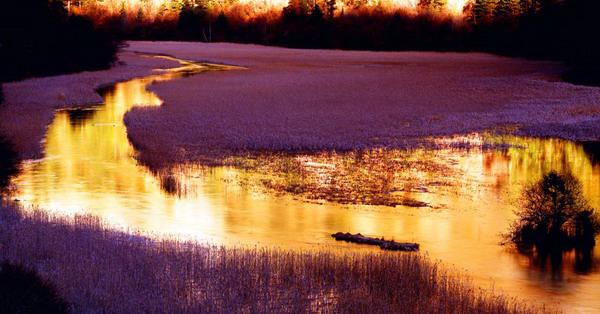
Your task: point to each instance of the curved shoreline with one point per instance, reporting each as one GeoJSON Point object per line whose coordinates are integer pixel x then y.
{"type": "Point", "coordinates": [29, 105]}
{"type": "Point", "coordinates": [316, 100]}
{"type": "Point", "coordinates": [198, 105]}
{"type": "Point", "coordinates": [541, 108]}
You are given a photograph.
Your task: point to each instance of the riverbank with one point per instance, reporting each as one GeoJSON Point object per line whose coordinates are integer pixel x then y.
{"type": "Point", "coordinates": [98, 269]}
{"type": "Point", "coordinates": [239, 211]}
{"type": "Point", "coordinates": [313, 100]}
{"type": "Point", "coordinates": [29, 105]}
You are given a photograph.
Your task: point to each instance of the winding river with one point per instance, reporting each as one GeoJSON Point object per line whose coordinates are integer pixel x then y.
{"type": "Point", "coordinates": [90, 168]}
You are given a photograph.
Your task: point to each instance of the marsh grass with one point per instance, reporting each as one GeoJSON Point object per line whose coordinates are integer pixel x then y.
{"type": "Point", "coordinates": [377, 176]}
{"type": "Point", "coordinates": [97, 269]}
{"type": "Point", "coordinates": [385, 177]}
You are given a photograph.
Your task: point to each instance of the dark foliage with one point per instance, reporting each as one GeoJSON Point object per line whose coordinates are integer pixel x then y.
{"type": "Point", "coordinates": [581, 261]}
{"type": "Point", "coordinates": [563, 30]}
{"type": "Point", "coordinates": [8, 164]}
{"type": "Point", "coordinates": [554, 217]}
{"type": "Point", "coordinates": [23, 291]}
{"type": "Point", "coordinates": [558, 30]}
{"type": "Point", "coordinates": [580, 48]}
{"type": "Point", "coordinates": [193, 22]}
{"type": "Point", "coordinates": [592, 150]}
{"type": "Point", "coordinates": [38, 37]}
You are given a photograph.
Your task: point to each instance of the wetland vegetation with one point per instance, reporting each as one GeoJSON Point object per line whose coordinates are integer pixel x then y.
{"type": "Point", "coordinates": [97, 268]}
{"type": "Point", "coordinates": [246, 198]}
{"type": "Point", "coordinates": [220, 192]}
{"type": "Point", "coordinates": [555, 217]}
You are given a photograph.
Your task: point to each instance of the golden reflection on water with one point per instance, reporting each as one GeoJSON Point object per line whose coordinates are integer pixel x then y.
{"type": "Point", "coordinates": [89, 167]}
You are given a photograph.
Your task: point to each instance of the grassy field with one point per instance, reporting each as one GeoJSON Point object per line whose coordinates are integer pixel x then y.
{"type": "Point", "coordinates": [293, 100]}
{"type": "Point", "coordinates": [97, 269]}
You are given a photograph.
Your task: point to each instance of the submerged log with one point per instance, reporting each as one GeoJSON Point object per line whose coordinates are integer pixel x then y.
{"type": "Point", "coordinates": [388, 245]}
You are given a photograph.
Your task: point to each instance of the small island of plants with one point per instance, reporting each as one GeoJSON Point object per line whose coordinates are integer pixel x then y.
{"type": "Point", "coordinates": [554, 217]}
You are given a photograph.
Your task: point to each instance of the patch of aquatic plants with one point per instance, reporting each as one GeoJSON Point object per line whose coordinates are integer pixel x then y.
{"type": "Point", "coordinates": [97, 269]}
{"type": "Point", "coordinates": [370, 177]}
{"type": "Point", "coordinates": [554, 217]}
{"type": "Point", "coordinates": [386, 177]}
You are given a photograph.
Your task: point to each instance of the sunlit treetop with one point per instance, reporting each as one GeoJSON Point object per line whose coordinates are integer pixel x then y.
{"type": "Point", "coordinates": [157, 6]}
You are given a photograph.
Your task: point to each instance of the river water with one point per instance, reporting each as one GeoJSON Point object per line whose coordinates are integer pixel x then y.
{"type": "Point", "coordinates": [90, 168]}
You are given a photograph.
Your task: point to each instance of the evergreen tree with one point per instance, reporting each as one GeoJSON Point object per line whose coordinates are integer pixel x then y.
{"type": "Point", "coordinates": [296, 7]}
{"type": "Point", "coordinates": [503, 9]}
{"type": "Point", "coordinates": [481, 11]}
{"type": "Point", "coordinates": [140, 15]}
{"type": "Point", "coordinates": [330, 5]}
{"type": "Point", "coordinates": [438, 5]}
{"type": "Point", "coordinates": [546, 4]}
{"type": "Point", "coordinates": [303, 7]}
{"type": "Point", "coordinates": [317, 14]}
{"type": "Point", "coordinates": [222, 26]}
{"type": "Point", "coordinates": [192, 19]}
{"type": "Point", "coordinates": [468, 12]}
{"type": "Point", "coordinates": [424, 5]}
{"type": "Point", "coordinates": [176, 5]}
{"type": "Point", "coordinates": [357, 4]}
{"type": "Point", "coordinates": [526, 6]}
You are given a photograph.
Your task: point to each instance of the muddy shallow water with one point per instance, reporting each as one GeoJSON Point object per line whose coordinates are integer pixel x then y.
{"type": "Point", "coordinates": [454, 201]}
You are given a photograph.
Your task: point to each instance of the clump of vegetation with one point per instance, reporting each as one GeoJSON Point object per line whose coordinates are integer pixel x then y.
{"type": "Point", "coordinates": [23, 291]}
{"type": "Point", "coordinates": [546, 29]}
{"type": "Point", "coordinates": [554, 217]}
{"type": "Point", "coordinates": [384, 177]}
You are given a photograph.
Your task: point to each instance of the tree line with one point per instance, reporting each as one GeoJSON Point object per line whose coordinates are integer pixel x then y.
{"type": "Point", "coordinates": [562, 30]}
{"type": "Point", "coordinates": [39, 37]}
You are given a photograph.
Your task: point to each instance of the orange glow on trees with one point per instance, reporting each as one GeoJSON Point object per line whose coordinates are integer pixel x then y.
{"type": "Point", "coordinates": [154, 8]}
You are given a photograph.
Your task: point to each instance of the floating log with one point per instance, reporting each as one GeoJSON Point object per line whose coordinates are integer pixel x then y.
{"type": "Point", "coordinates": [388, 245]}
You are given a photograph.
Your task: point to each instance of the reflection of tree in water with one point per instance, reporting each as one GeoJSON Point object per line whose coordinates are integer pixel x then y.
{"type": "Point", "coordinates": [581, 260]}
{"type": "Point", "coordinates": [9, 163]}
{"type": "Point", "coordinates": [592, 150]}
{"type": "Point", "coordinates": [79, 116]}
{"type": "Point", "coordinates": [584, 261]}
{"type": "Point", "coordinates": [556, 227]}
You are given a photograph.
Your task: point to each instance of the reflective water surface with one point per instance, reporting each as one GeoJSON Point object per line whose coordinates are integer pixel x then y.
{"type": "Point", "coordinates": [467, 195]}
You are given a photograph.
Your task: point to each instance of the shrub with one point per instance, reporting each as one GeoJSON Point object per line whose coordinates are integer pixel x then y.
{"type": "Point", "coordinates": [23, 291]}
{"type": "Point", "coordinates": [8, 163]}
{"type": "Point", "coordinates": [554, 216]}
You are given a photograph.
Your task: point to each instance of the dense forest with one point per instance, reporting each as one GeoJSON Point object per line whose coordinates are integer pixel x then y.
{"type": "Point", "coordinates": [39, 37]}
{"type": "Point", "coordinates": [561, 30]}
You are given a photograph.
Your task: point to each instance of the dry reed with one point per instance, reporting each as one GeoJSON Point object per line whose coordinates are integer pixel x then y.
{"type": "Point", "coordinates": [98, 269]}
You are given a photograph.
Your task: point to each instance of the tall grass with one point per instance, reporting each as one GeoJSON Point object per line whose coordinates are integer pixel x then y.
{"type": "Point", "coordinates": [97, 269]}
